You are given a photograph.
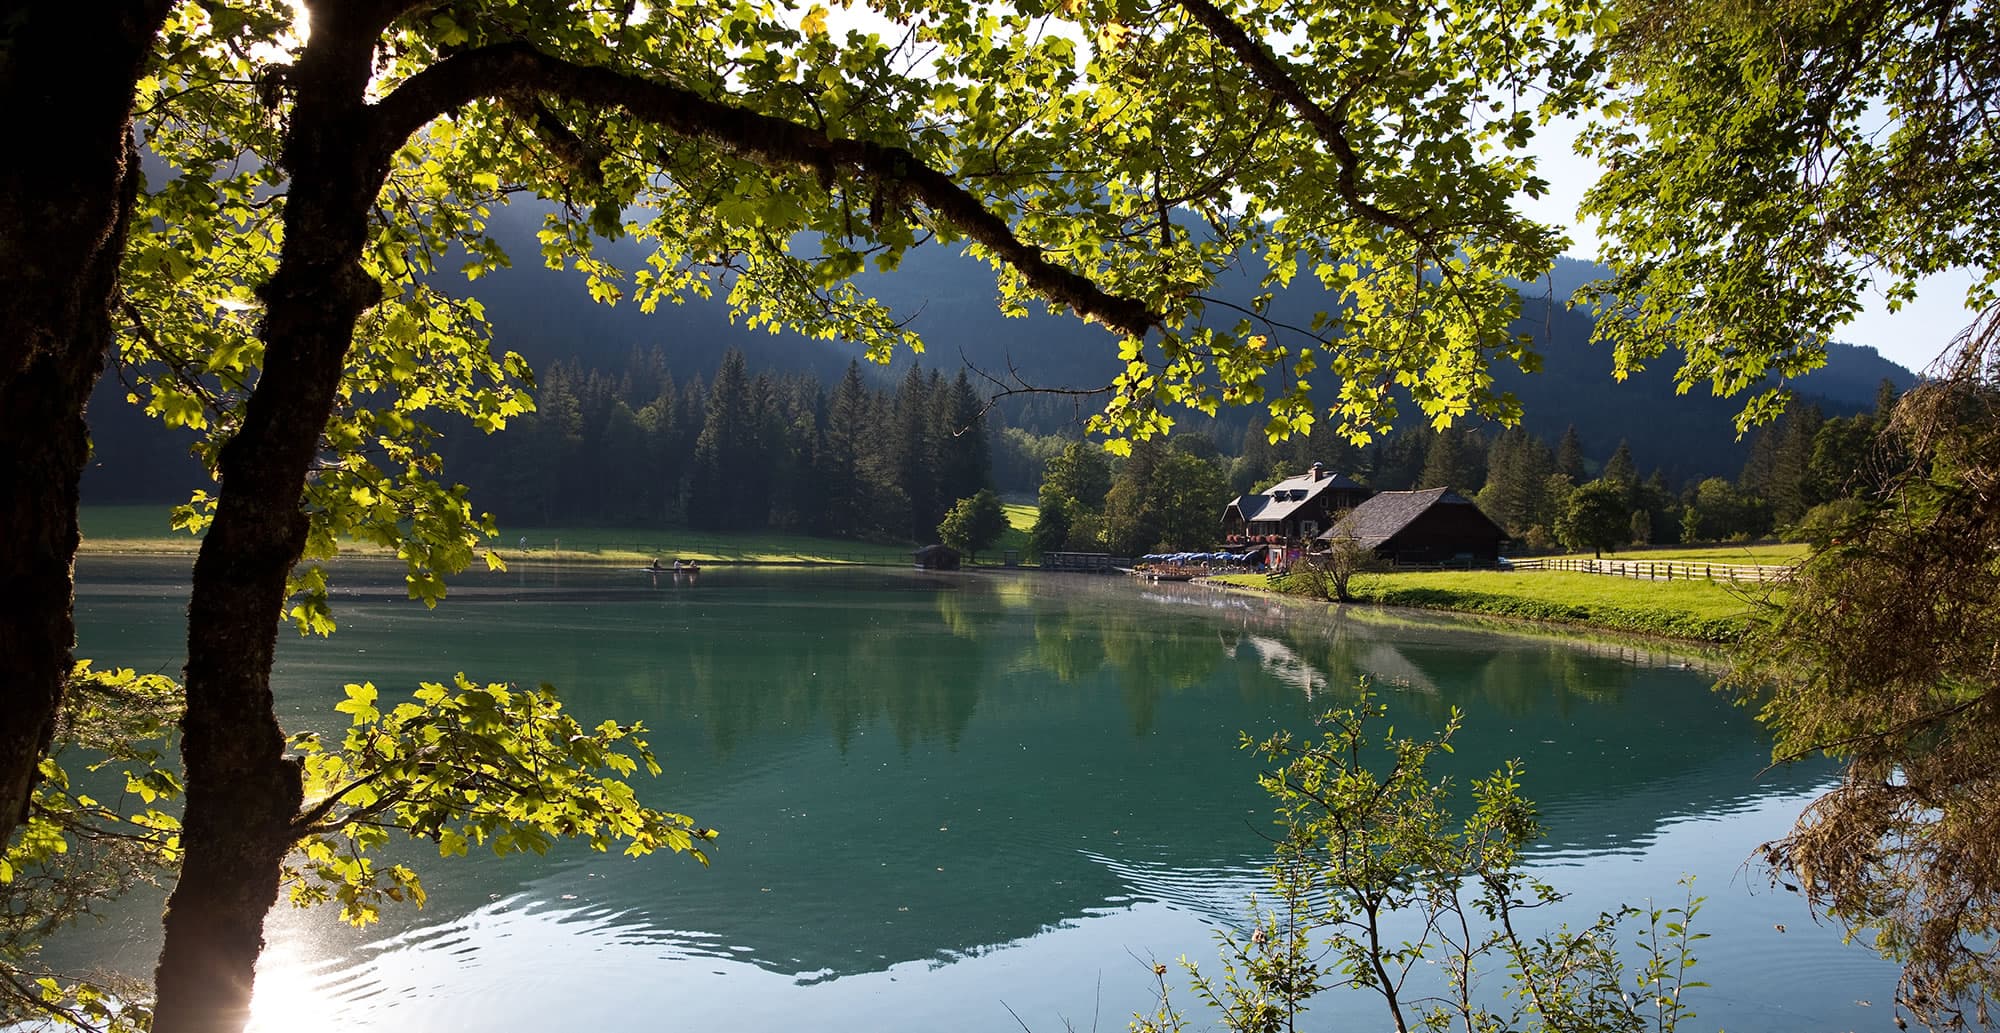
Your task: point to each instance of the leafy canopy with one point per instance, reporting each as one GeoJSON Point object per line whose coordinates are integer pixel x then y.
{"type": "Point", "coordinates": [1765, 162]}
{"type": "Point", "coordinates": [975, 523]}
{"type": "Point", "coordinates": [467, 765]}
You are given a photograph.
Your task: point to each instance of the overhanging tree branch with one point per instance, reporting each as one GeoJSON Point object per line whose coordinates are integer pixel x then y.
{"type": "Point", "coordinates": [511, 69]}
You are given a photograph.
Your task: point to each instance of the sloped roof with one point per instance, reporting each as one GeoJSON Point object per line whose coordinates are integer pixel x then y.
{"type": "Point", "coordinates": [1387, 514]}
{"type": "Point", "coordinates": [1248, 505]}
{"type": "Point", "coordinates": [1297, 492]}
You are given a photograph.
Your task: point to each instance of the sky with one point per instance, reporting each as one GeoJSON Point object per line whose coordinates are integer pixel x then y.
{"type": "Point", "coordinates": [1912, 337]}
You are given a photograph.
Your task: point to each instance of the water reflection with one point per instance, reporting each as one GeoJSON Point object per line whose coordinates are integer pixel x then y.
{"type": "Point", "coordinates": [937, 785]}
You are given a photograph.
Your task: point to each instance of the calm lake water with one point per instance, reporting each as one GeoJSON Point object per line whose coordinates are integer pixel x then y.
{"type": "Point", "coordinates": [948, 800]}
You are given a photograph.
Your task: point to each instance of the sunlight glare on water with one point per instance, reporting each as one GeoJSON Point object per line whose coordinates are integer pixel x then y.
{"type": "Point", "coordinates": [288, 999]}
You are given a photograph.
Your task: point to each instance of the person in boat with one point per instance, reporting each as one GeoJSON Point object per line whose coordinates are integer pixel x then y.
{"type": "Point", "coordinates": [656, 568]}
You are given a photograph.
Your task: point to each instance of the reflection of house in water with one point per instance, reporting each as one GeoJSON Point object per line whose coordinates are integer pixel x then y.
{"type": "Point", "coordinates": [1388, 667]}
{"type": "Point", "coordinates": [1383, 663]}
{"type": "Point", "coordinates": [1278, 660]}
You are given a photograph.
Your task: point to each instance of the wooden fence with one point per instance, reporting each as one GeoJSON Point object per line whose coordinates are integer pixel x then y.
{"type": "Point", "coordinates": [1659, 570]}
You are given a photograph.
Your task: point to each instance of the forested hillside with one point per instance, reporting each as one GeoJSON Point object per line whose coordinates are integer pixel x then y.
{"type": "Point", "coordinates": [587, 352]}
{"type": "Point", "coordinates": [748, 451]}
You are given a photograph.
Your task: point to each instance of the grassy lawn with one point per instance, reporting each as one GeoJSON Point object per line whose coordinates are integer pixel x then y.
{"type": "Point", "coordinates": [1020, 520]}
{"type": "Point", "coordinates": [670, 543]}
{"type": "Point", "coordinates": [144, 529]}
{"type": "Point", "coordinates": [133, 529]}
{"type": "Point", "coordinates": [1678, 609]}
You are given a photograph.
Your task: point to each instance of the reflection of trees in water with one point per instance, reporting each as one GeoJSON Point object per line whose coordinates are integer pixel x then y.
{"type": "Point", "coordinates": [1274, 653]}
{"type": "Point", "coordinates": [922, 680]}
{"type": "Point", "coordinates": [1065, 646]}
{"type": "Point", "coordinates": [1155, 654]}
{"type": "Point", "coordinates": [967, 609]}
{"type": "Point", "coordinates": [1151, 652]}
{"type": "Point", "coordinates": [1074, 820]}
{"type": "Point", "coordinates": [923, 673]}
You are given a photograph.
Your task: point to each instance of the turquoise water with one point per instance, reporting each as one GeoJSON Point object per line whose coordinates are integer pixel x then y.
{"type": "Point", "coordinates": [948, 801]}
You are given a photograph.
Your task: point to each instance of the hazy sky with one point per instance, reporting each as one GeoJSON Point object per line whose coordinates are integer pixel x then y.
{"type": "Point", "coordinates": [1913, 337]}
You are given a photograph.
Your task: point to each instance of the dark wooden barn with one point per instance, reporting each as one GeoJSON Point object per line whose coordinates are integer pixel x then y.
{"type": "Point", "coordinates": [1423, 527]}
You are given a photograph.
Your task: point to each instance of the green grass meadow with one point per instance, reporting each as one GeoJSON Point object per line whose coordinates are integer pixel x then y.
{"type": "Point", "coordinates": [133, 529]}
{"type": "Point", "coordinates": [144, 529]}
{"type": "Point", "coordinates": [1699, 610]}
{"type": "Point", "coordinates": [669, 543]}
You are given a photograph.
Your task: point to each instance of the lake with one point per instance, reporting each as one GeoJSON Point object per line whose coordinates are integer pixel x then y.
{"type": "Point", "coordinates": [949, 800]}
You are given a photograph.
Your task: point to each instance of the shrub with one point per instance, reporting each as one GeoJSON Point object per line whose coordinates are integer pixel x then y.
{"type": "Point", "coordinates": [1366, 838]}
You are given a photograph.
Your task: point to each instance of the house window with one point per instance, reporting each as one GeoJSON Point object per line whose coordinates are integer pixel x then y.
{"type": "Point", "coordinates": [1309, 529]}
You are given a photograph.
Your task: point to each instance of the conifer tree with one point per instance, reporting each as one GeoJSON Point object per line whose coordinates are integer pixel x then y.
{"type": "Point", "coordinates": [1620, 469]}
{"type": "Point", "coordinates": [1454, 460]}
{"type": "Point", "coordinates": [726, 445]}
{"type": "Point", "coordinates": [773, 455]}
{"type": "Point", "coordinates": [914, 462]}
{"type": "Point", "coordinates": [1400, 463]}
{"type": "Point", "coordinates": [1518, 466]}
{"type": "Point", "coordinates": [1569, 456]}
{"type": "Point", "coordinates": [1441, 461]}
{"type": "Point", "coordinates": [1253, 464]}
{"type": "Point", "coordinates": [665, 458]}
{"type": "Point", "coordinates": [547, 443]}
{"type": "Point", "coordinates": [846, 504]}
{"type": "Point", "coordinates": [1759, 468]}
{"type": "Point", "coordinates": [965, 459]}
{"type": "Point", "coordinates": [619, 493]}
{"type": "Point", "coordinates": [1791, 492]}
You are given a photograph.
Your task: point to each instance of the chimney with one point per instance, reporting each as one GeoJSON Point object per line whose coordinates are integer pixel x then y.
{"type": "Point", "coordinates": [1318, 471]}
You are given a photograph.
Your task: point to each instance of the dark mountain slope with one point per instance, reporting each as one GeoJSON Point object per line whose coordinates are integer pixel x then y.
{"type": "Point", "coordinates": [547, 316]}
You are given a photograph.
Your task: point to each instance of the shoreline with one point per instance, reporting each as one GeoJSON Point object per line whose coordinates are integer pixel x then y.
{"type": "Point", "coordinates": [1714, 649]}
{"type": "Point", "coordinates": [161, 547]}
{"type": "Point", "coordinates": [157, 548]}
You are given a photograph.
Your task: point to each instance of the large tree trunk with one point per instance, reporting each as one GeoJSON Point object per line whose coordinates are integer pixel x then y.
{"type": "Point", "coordinates": [242, 792]}
{"type": "Point", "coordinates": [67, 72]}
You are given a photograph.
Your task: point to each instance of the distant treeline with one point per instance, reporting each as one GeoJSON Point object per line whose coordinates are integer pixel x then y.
{"type": "Point", "coordinates": [863, 456]}
{"type": "Point", "coordinates": [748, 452]}
{"type": "Point", "coordinates": [1804, 472]}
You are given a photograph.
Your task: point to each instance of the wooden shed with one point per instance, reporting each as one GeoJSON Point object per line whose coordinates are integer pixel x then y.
{"type": "Point", "coordinates": [937, 557]}
{"type": "Point", "coordinates": [1435, 526]}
